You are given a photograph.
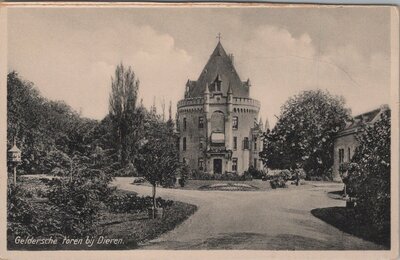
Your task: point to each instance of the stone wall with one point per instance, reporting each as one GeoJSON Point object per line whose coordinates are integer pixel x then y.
{"type": "Point", "coordinates": [348, 143]}
{"type": "Point", "coordinates": [247, 114]}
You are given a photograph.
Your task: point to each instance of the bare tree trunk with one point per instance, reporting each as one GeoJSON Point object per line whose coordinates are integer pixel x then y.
{"type": "Point", "coordinates": [154, 200]}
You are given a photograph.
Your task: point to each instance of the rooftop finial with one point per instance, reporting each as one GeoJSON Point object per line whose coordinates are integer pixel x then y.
{"type": "Point", "coordinates": [219, 37]}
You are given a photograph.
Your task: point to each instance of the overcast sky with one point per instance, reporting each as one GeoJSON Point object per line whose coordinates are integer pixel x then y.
{"type": "Point", "coordinates": [71, 54]}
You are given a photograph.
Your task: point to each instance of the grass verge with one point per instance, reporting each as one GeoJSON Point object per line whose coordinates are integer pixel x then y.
{"type": "Point", "coordinates": [344, 219]}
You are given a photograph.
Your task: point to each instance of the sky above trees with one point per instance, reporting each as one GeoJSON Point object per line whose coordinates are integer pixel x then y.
{"type": "Point", "coordinates": [71, 54]}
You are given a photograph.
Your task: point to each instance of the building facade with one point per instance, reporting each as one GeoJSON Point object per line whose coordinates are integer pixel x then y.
{"type": "Point", "coordinates": [217, 120]}
{"type": "Point", "coordinates": [346, 142]}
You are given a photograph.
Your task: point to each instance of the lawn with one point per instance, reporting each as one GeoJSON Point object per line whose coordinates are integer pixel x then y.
{"type": "Point", "coordinates": [344, 219]}
{"type": "Point", "coordinates": [200, 184]}
{"type": "Point", "coordinates": [205, 185]}
{"type": "Point", "coordinates": [113, 230]}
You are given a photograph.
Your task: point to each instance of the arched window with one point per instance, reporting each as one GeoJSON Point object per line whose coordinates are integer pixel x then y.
{"type": "Point", "coordinates": [218, 122]}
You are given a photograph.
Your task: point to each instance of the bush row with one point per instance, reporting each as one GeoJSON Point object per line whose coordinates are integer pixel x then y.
{"type": "Point", "coordinates": [131, 203]}
{"type": "Point", "coordinates": [198, 175]}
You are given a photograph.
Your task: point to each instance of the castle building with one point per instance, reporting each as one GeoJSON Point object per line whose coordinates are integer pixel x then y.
{"type": "Point", "coordinates": [217, 120]}
{"type": "Point", "coordinates": [345, 142]}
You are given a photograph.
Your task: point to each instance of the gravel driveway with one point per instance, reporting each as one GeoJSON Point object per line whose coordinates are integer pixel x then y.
{"type": "Point", "coordinates": [260, 220]}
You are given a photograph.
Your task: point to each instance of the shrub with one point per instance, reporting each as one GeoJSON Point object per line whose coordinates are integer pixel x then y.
{"type": "Point", "coordinates": [127, 171]}
{"type": "Point", "coordinates": [184, 172]}
{"type": "Point", "coordinates": [199, 175]}
{"type": "Point", "coordinates": [139, 180]}
{"type": "Point", "coordinates": [227, 176]}
{"type": "Point", "coordinates": [78, 200]}
{"type": "Point", "coordinates": [131, 203]}
{"type": "Point", "coordinates": [299, 172]}
{"type": "Point", "coordinates": [254, 173]}
{"type": "Point", "coordinates": [315, 178]}
{"type": "Point", "coordinates": [21, 217]}
{"type": "Point", "coordinates": [247, 176]}
{"type": "Point", "coordinates": [280, 178]}
{"type": "Point", "coordinates": [278, 183]}
{"type": "Point", "coordinates": [285, 175]}
{"type": "Point", "coordinates": [369, 176]}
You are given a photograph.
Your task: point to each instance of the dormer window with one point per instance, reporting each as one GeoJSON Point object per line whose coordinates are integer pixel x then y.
{"type": "Point", "coordinates": [212, 89]}
{"type": "Point", "coordinates": [218, 83]}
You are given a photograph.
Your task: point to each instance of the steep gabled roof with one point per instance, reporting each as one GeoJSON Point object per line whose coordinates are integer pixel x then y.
{"type": "Point", "coordinates": [369, 117]}
{"type": "Point", "coordinates": [219, 67]}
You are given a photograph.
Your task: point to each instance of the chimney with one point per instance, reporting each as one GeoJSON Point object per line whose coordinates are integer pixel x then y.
{"type": "Point", "coordinates": [384, 107]}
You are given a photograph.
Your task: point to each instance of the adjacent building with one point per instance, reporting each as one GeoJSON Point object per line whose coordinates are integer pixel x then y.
{"type": "Point", "coordinates": [217, 121]}
{"type": "Point", "coordinates": [346, 142]}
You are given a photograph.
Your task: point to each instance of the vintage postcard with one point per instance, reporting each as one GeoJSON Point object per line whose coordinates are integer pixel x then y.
{"type": "Point", "coordinates": [164, 131]}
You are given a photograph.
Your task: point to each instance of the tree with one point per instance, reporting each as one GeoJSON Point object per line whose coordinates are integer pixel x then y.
{"type": "Point", "coordinates": [369, 175]}
{"type": "Point", "coordinates": [158, 160]}
{"type": "Point", "coordinates": [42, 127]}
{"type": "Point", "coordinates": [304, 134]}
{"type": "Point", "coordinates": [122, 104]}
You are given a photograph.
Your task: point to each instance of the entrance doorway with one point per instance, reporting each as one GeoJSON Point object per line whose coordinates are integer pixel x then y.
{"type": "Point", "coordinates": [217, 166]}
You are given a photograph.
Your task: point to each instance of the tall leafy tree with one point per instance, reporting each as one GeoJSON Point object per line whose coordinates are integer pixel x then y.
{"type": "Point", "coordinates": [158, 160]}
{"type": "Point", "coordinates": [369, 175]}
{"type": "Point", "coordinates": [122, 110]}
{"type": "Point", "coordinates": [304, 133]}
{"type": "Point", "coordinates": [42, 127]}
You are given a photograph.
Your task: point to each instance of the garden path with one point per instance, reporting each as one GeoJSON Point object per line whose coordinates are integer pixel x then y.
{"type": "Point", "coordinates": [267, 220]}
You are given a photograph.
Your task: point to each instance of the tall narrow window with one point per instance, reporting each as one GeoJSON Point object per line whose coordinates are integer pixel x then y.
{"type": "Point", "coordinates": [201, 164]}
{"type": "Point", "coordinates": [341, 155]}
{"type": "Point", "coordinates": [184, 124]}
{"type": "Point", "coordinates": [235, 122]}
{"type": "Point", "coordinates": [349, 154]}
{"type": "Point", "coordinates": [201, 145]}
{"type": "Point", "coordinates": [235, 143]}
{"type": "Point", "coordinates": [184, 144]}
{"type": "Point", "coordinates": [255, 164]}
{"type": "Point", "coordinates": [234, 164]}
{"type": "Point", "coordinates": [255, 143]}
{"type": "Point", "coordinates": [246, 143]}
{"type": "Point", "coordinates": [201, 122]}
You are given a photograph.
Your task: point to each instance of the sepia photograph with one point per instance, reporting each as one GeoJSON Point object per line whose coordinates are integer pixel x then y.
{"type": "Point", "coordinates": [200, 127]}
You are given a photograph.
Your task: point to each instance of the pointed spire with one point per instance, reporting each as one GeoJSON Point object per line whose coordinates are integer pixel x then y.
{"type": "Point", "coordinates": [153, 107]}
{"type": "Point", "coordinates": [170, 111]}
{"type": "Point", "coordinates": [260, 124]}
{"type": "Point", "coordinates": [163, 109]}
{"type": "Point", "coordinates": [206, 90]}
{"type": "Point", "coordinates": [266, 124]}
{"type": "Point", "coordinates": [230, 89]}
{"type": "Point", "coordinates": [248, 82]}
{"type": "Point", "coordinates": [220, 64]}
